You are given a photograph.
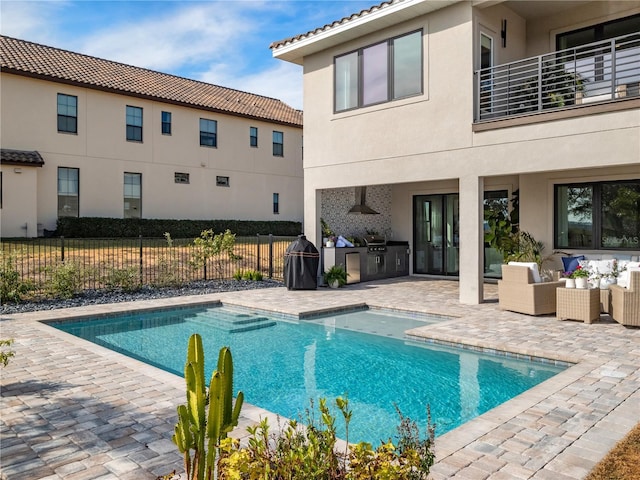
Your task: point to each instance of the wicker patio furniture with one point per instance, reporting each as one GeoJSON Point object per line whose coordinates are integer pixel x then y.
{"type": "Point", "coordinates": [519, 293]}
{"type": "Point", "coordinates": [578, 304]}
{"type": "Point", "coordinates": [625, 302]}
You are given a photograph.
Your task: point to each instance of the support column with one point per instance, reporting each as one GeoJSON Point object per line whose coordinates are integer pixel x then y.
{"type": "Point", "coordinates": [471, 239]}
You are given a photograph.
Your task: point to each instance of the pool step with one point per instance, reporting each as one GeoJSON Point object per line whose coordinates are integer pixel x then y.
{"type": "Point", "coordinates": [232, 322]}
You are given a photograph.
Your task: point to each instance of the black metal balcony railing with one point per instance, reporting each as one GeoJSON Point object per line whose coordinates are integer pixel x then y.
{"type": "Point", "coordinates": [601, 71]}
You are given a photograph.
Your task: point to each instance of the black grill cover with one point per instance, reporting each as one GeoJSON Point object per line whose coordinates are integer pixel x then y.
{"type": "Point", "coordinates": [301, 261]}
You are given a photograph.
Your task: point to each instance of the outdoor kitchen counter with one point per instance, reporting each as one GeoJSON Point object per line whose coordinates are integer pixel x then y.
{"type": "Point", "coordinates": [394, 262]}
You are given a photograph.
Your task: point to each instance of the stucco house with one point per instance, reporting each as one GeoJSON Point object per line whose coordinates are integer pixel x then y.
{"type": "Point", "coordinates": [439, 108]}
{"type": "Point", "coordinates": [84, 136]}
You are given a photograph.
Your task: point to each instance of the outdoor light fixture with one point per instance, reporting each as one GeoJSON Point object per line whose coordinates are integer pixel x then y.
{"type": "Point", "coordinates": [503, 33]}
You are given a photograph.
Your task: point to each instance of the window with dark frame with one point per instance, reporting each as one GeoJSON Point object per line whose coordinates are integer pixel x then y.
{"type": "Point", "coordinates": [166, 123]}
{"type": "Point", "coordinates": [67, 113]}
{"type": "Point", "coordinates": [68, 192]}
{"type": "Point", "coordinates": [208, 133]}
{"type": "Point", "coordinates": [597, 215]}
{"type": "Point", "coordinates": [180, 177]}
{"type": "Point", "coordinates": [134, 124]}
{"type": "Point", "coordinates": [278, 144]}
{"type": "Point", "coordinates": [379, 73]}
{"type": "Point", "coordinates": [132, 195]}
{"type": "Point", "coordinates": [222, 181]}
{"type": "Point", "coordinates": [253, 136]}
{"type": "Point", "coordinates": [276, 203]}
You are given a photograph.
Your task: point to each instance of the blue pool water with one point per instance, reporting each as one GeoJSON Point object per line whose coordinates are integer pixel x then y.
{"type": "Point", "coordinates": [281, 364]}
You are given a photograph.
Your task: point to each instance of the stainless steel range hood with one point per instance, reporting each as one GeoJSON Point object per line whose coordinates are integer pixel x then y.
{"type": "Point", "coordinates": [361, 208]}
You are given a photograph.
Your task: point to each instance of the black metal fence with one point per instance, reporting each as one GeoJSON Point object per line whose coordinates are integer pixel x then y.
{"type": "Point", "coordinates": [145, 261]}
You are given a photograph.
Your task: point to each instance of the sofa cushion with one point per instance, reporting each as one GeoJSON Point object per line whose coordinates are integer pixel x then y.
{"type": "Point", "coordinates": [571, 263]}
{"type": "Point", "coordinates": [623, 277]}
{"type": "Point", "coordinates": [533, 266]}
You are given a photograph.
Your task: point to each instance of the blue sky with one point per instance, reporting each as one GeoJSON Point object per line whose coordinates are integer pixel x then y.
{"type": "Point", "coordinates": [220, 42]}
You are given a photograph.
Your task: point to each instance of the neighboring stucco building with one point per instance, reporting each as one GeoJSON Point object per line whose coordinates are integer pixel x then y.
{"type": "Point", "coordinates": [437, 107]}
{"type": "Point", "coordinates": [86, 137]}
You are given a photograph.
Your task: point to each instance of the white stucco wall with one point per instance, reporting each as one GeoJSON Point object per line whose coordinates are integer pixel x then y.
{"type": "Point", "coordinates": [101, 152]}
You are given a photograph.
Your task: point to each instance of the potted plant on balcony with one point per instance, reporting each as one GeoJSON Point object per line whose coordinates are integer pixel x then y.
{"type": "Point", "coordinates": [335, 276]}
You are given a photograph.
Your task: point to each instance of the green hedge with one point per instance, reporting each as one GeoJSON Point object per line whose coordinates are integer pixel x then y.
{"type": "Point", "coordinates": [98, 227]}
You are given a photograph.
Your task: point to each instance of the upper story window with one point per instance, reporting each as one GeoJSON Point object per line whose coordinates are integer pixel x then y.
{"type": "Point", "coordinates": [166, 123]}
{"type": "Point", "coordinates": [134, 124]}
{"type": "Point", "coordinates": [278, 144]}
{"type": "Point", "coordinates": [222, 181]}
{"type": "Point", "coordinates": [67, 113]}
{"type": "Point", "coordinates": [379, 73]}
{"type": "Point", "coordinates": [253, 136]}
{"type": "Point", "coordinates": [208, 133]}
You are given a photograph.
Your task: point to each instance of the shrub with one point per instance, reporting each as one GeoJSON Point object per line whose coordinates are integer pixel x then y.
{"type": "Point", "coordinates": [309, 452]}
{"type": "Point", "coordinates": [98, 227]}
{"type": "Point", "coordinates": [12, 287]}
{"type": "Point", "coordinates": [127, 279]}
{"type": "Point", "coordinates": [66, 279]}
{"type": "Point", "coordinates": [6, 355]}
{"type": "Point", "coordinates": [167, 270]}
{"type": "Point", "coordinates": [252, 275]}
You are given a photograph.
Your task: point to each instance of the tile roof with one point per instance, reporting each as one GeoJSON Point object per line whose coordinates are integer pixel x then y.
{"type": "Point", "coordinates": [34, 60]}
{"type": "Point", "coordinates": [20, 157]}
{"type": "Point", "coordinates": [329, 26]}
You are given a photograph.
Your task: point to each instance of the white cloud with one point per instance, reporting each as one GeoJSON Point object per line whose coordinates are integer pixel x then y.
{"type": "Point", "coordinates": [30, 20]}
{"type": "Point", "coordinates": [225, 43]}
{"type": "Point", "coordinates": [282, 81]}
{"type": "Point", "coordinates": [187, 34]}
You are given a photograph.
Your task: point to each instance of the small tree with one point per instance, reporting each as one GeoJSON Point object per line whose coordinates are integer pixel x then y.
{"type": "Point", "coordinates": [208, 245]}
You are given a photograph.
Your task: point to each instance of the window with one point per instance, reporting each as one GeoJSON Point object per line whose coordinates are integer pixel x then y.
{"type": "Point", "coordinates": [276, 203]}
{"type": "Point", "coordinates": [595, 33]}
{"type": "Point", "coordinates": [603, 215]}
{"type": "Point", "coordinates": [278, 144]}
{"type": "Point", "coordinates": [179, 177]}
{"type": "Point", "coordinates": [134, 124]}
{"type": "Point", "coordinates": [68, 192]}
{"type": "Point", "coordinates": [67, 113]}
{"type": "Point", "coordinates": [132, 195]}
{"type": "Point", "coordinates": [222, 181]}
{"type": "Point", "coordinates": [166, 123]}
{"type": "Point", "coordinates": [253, 136]}
{"type": "Point", "coordinates": [379, 73]}
{"type": "Point", "coordinates": [208, 133]}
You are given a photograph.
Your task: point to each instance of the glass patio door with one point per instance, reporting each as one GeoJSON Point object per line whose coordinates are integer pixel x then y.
{"type": "Point", "coordinates": [436, 234]}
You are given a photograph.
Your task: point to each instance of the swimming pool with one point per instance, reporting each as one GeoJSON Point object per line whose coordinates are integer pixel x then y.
{"type": "Point", "coordinates": [282, 363]}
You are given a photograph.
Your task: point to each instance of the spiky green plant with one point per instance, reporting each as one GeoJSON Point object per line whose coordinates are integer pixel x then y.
{"type": "Point", "coordinates": [197, 425]}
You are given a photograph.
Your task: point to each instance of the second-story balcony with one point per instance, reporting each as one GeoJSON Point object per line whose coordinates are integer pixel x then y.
{"type": "Point", "coordinates": [606, 71]}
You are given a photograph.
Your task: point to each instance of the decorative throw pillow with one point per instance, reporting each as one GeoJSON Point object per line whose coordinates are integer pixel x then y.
{"type": "Point", "coordinates": [533, 266]}
{"type": "Point", "coordinates": [571, 263]}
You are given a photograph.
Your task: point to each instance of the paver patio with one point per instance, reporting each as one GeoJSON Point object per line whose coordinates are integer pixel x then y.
{"type": "Point", "coordinates": [73, 410]}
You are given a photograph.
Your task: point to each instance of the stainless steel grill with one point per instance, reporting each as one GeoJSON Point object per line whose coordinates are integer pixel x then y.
{"type": "Point", "coordinates": [375, 243]}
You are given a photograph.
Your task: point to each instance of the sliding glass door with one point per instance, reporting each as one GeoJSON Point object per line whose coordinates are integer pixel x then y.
{"type": "Point", "coordinates": [436, 234]}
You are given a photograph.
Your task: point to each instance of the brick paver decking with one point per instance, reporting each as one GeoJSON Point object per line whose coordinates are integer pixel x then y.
{"type": "Point", "coordinates": [73, 410]}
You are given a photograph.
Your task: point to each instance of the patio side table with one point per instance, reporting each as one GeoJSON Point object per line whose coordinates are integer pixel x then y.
{"type": "Point", "coordinates": [578, 304]}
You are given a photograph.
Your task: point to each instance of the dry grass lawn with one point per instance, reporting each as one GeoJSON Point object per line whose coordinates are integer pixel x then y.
{"type": "Point", "coordinates": [621, 463]}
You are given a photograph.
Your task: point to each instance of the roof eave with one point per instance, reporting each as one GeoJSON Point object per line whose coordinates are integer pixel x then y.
{"type": "Point", "coordinates": [295, 49]}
